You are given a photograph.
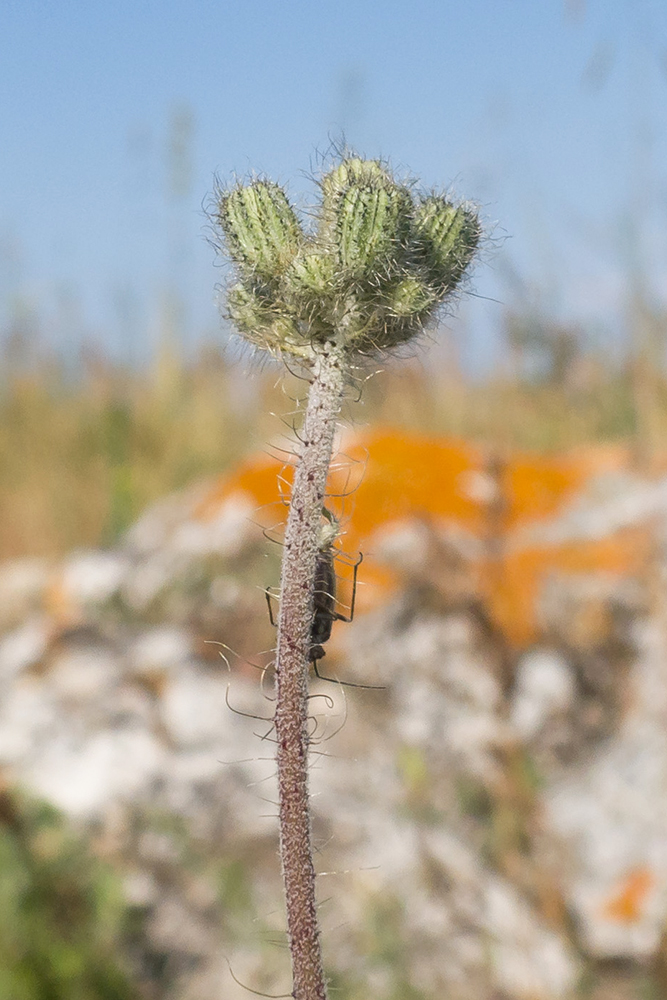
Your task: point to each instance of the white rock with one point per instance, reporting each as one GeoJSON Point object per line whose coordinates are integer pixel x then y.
{"type": "Point", "coordinates": [224, 534]}
{"type": "Point", "coordinates": [390, 845]}
{"type": "Point", "coordinates": [569, 605]}
{"type": "Point", "coordinates": [195, 710]}
{"type": "Point", "coordinates": [630, 501]}
{"type": "Point", "coordinates": [193, 707]}
{"type": "Point", "coordinates": [479, 486]}
{"type": "Point", "coordinates": [159, 649]}
{"type": "Point", "coordinates": [91, 578]}
{"type": "Point", "coordinates": [529, 961]}
{"type": "Point", "coordinates": [150, 577]}
{"type": "Point", "coordinates": [152, 531]}
{"type": "Point", "coordinates": [611, 812]}
{"type": "Point", "coordinates": [545, 687]}
{"type": "Point", "coordinates": [408, 544]}
{"type": "Point", "coordinates": [140, 889]}
{"type": "Point", "coordinates": [225, 591]}
{"type": "Point", "coordinates": [84, 675]}
{"type": "Point", "coordinates": [203, 785]}
{"type": "Point", "coordinates": [178, 524]}
{"type": "Point", "coordinates": [453, 856]}
{"type": "Point", "coordinates": [28, 720]}
{"type": "Point", "coordinates": [131, 705]}
{"type": "Point", "coordinates": [478, 932]}
{"type": "Point", "coordinates": [84, 776]}
{"type": "Point", "coordinates": [23, 648]}
{"type": "Point", "coordinates": [445, 693]}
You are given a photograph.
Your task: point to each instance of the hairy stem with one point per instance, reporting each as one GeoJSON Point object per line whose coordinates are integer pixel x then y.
{"type": "Point", "coordinates": [292, 664]}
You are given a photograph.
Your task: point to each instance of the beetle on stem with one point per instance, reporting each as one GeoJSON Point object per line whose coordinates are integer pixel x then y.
{"type": "Point", "coordinates": [324, 599]}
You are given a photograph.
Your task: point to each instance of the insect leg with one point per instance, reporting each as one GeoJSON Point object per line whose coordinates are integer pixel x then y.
{"type": "Point", "coordinates": [343, 618]}
{"type": "Point", "coordinates": [348, 684]}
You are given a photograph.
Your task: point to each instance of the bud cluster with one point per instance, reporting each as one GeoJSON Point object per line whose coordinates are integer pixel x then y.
{"type": "Point", "coordinates": [378, 264]}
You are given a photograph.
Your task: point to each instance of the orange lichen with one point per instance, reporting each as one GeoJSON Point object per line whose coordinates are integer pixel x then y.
{"type": "Point", "coordinates": [537, 486]}
{"type": "Point", "coordinates": [382, 476]}
{"type": "Point", "coordinates": [400, 475]}
{"type": "Point", "coordinates": [257, 477]}
{"type": "Point", "coordinates": [513, 584]}
{"type": "Point", "coordinates": [627, 902]}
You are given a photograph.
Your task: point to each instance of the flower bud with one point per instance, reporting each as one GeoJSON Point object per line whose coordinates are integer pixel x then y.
{"type": "Point", "coordinates": [261, 322]}
{"type": "Point", "coordinates": [369, 278]}
{"type": "Point", "coordinates": [351, 171]}
{"type": "Point", "coordinates": [365, 218]}
{"type": "Point", "coordinates": [261, 229]}
{"type": "Point", "coordinates": [410, 297]}
{"type": "Point", "coordinates": [372, 226]}
{"type": "Point", "coordinates": [447, 237]}
{"type": "Point", "coordinates": [311, 273]}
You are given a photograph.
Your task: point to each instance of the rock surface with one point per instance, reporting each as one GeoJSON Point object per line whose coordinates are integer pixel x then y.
{"type": "Point", "coordinates": [489, 825]}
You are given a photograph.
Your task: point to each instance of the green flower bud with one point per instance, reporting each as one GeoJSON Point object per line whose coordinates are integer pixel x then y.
{"type": "Point", "coordinates": [411, 297]}
{"type": "Point", "coordinates": [447, 237]}
{"type": "Point", "coordinates": [248, 310]}
{"type": "Point", "coordinates": [311, 274]}
{"type": "Point", "coordinates": [372, 223]}
{"type": "Point", "coordinates": [369, 279]}
{"type": "Point", "coordinates": [261, 322]}
{"type": "Point", "coordinates": [261, 229]}
{"type": "Point", "coordinates": [351, 171]}
{"type": "Point", "coordinates": [365, 218]}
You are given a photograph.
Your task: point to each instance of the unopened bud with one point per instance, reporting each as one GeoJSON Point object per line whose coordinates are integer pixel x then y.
{"type": "Point", "coordinates": [410, 297]}
{"type": "Point", "coordinates": [261, 229]}
{"type": "Point", "coordinates": [447, 237]}
{"type": "Point", "coordinates": [365, 217]}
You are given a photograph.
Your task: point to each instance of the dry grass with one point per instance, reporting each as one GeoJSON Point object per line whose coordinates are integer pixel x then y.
{"type": "Point", "coordinates": [81, 455]}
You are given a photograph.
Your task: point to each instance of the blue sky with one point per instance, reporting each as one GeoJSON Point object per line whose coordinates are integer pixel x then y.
{"type": "Point", "coordinates": [551, 114]}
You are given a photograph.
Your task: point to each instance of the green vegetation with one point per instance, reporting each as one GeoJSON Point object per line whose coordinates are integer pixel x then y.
{"type": "Point", "coordinates": [62, 916]}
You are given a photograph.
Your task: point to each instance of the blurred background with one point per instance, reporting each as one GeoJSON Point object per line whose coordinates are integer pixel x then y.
{"type": "Point", "coordinates": [507, 485]}
{"type": "Point", "coordinates": [115, 124]}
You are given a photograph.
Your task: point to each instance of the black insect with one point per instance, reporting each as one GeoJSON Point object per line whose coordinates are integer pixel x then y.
{"type": "Point", "coordinates": [324, 600]}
